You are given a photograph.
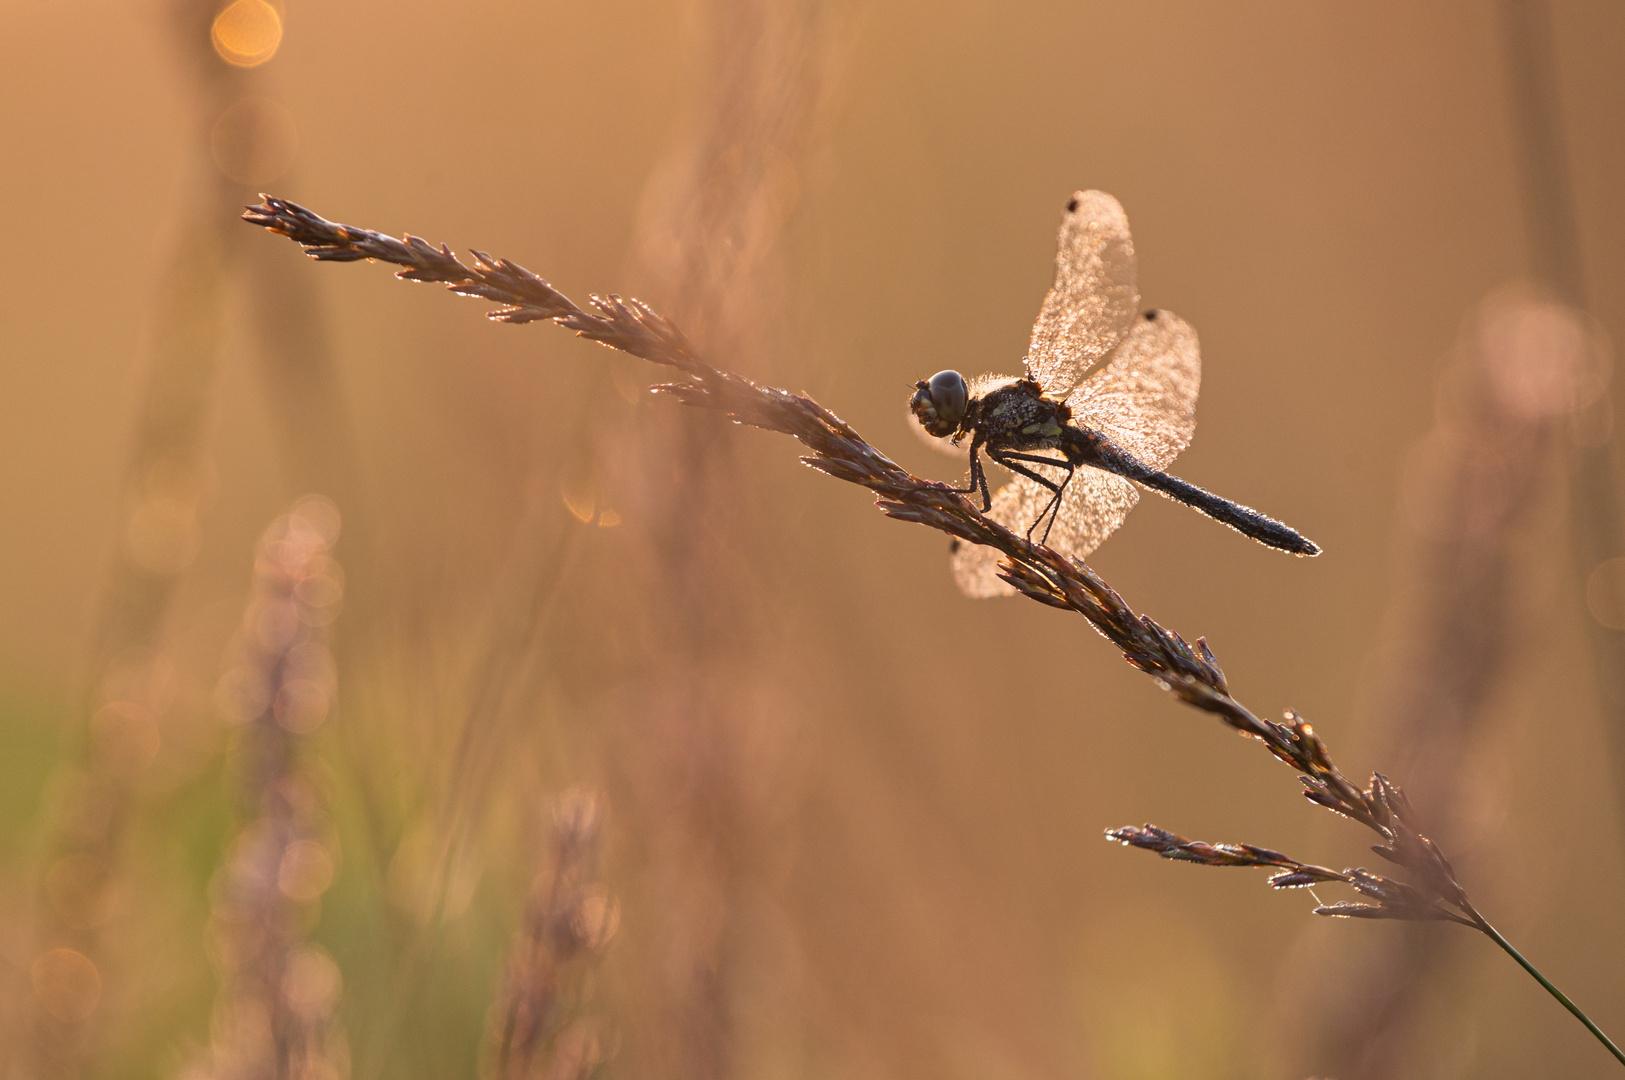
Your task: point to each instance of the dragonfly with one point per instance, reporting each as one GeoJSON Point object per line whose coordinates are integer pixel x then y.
{"type": "Point", "coordinates": [1107, 401]}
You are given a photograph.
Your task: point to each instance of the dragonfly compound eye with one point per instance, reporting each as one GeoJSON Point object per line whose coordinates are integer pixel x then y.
{"type": "Point", "coordinates": [939, 405]}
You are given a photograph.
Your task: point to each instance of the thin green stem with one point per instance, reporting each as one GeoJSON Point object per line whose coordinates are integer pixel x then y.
{"type": "Point", "coordinates": [1495, 935]}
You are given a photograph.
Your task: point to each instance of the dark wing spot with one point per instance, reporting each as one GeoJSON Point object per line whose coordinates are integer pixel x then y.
{"type": "Point", "coordinates": [954, 545]}
{"type": "Point", "coordinates": [1152, 314]}
{"type": "Point", "coordinates": [1072, 205]}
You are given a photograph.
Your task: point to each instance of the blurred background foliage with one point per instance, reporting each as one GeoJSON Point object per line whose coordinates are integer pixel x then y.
{"type": "Point", "coordinates": [814, 814]}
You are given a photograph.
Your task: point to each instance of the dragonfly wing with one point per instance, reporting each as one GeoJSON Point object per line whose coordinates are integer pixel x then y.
{"type": "Point", "coordinates": [1092, 304]}
{"type": "Point", "coordinates": [1094, 505]}
{"type": "Point", "coordinates": [1144, 399]}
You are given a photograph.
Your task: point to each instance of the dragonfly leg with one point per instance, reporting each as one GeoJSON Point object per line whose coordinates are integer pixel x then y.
{"type": "Point", "coordinates": [978, 476]}
{"type": "Point", "coordinates": [1052, 509]}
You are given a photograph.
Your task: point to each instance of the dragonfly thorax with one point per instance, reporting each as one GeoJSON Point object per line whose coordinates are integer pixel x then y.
{"type": "Point", "coordinates": [1016, 414]}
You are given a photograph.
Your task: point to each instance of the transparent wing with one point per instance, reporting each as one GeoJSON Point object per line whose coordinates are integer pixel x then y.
{"type": "Point", "coordinates": [1094, 505]}
{"type": "Point", "coordinates": [1144, 399]}
{"type": "Point", "coordinates": [1093, 301]}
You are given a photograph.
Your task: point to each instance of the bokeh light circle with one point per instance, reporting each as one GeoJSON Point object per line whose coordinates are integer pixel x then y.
{"type": "Point", "coordinates": [1605, 593]}
{"type": "Point", "coordinates": [66, 984]}
{"type": "Point", "coordinates": [255, 140]}
{"type": "Point", "coordinates": [247, 33]}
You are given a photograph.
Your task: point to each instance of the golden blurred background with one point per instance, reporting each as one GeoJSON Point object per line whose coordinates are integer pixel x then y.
{"type": "Point", "coordinates": [385, 692]}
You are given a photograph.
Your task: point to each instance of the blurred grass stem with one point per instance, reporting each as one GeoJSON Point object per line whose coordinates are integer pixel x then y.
{"type": "Point", "coordinates": [1553, 236]}
{"type": "Point", "coordinates": [690, 758]}
{"type": "Point", "coordinates": [1462, 567]}
{"type": "Point", "coordinates": [165, 486]}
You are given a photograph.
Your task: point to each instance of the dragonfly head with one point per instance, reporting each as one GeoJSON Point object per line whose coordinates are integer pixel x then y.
{"type": "Point", "coordinates": [939, 403]}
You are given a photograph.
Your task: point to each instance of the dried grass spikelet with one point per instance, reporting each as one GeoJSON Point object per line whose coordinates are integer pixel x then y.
{"type": "Point", "coordinates": [275, 1015]}
{"type": "Point", "coordinates": [1510, 401]}
{"type": "Point", "coordinates": [1189, 670]}
{"type": "Point", "coordinates": [540, 1024]}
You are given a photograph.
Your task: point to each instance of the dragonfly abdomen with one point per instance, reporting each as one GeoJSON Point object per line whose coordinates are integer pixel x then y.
{"type": "Point", "coordinates": [1244, 519]}
{"type": "Point", "coordinates": [1084, 446]}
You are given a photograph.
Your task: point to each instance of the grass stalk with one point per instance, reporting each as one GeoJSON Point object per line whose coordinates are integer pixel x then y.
{"type": "Point", "coordinates": [1495, 935]}
{"type": "Point", "coordinates": [1461, 599]}
{"type": "Point", "coordinates": [1189, 670]}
